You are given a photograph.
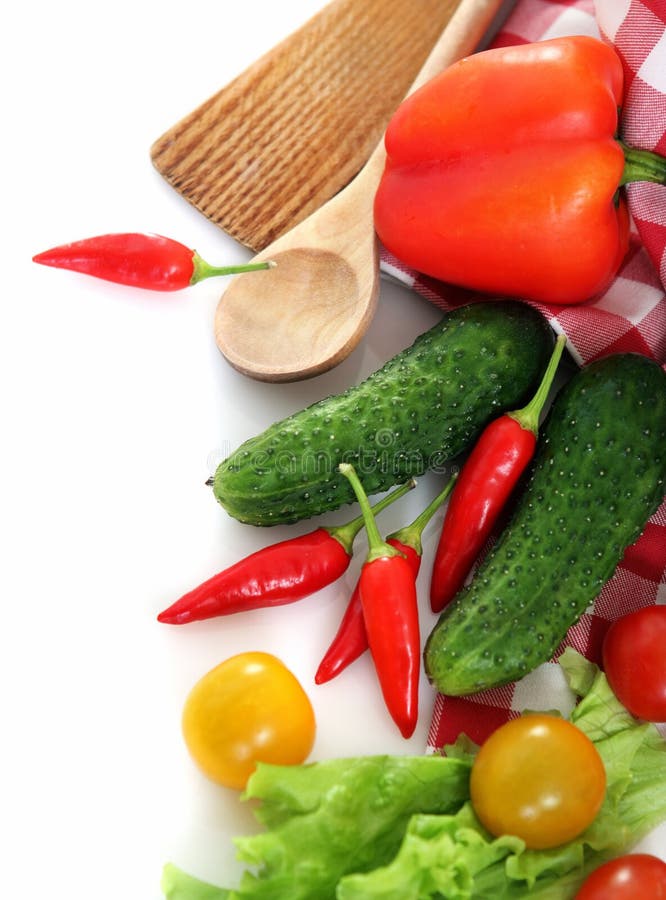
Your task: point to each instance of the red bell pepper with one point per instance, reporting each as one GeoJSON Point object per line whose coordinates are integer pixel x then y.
{"type": "Point", "coordinates": [503, 173]}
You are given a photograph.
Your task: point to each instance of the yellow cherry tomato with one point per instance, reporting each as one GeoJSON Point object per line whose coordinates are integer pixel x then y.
{"type": "Point", "coordinates": [540, 778]}
{"type": "Point", "coordinates": [248, 709]}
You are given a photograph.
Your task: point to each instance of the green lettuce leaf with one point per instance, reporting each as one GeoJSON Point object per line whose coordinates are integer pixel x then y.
{"type": "Point", "coordinates": [328, 818]}
{"type": "Point", "coordinates": [178, 885]}
{"type": "Point", "coordinates": [439, 856]}
{"type": "Point", "coordinates": [452, 856]}
{"type": "Point", "coordinates": [402, 828]}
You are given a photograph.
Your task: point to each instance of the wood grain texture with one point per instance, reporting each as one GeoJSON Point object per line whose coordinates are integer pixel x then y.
{"type": "Point", "coordinates": [309, 311]}
{"type": "Point", "coordinates": [294, 128]}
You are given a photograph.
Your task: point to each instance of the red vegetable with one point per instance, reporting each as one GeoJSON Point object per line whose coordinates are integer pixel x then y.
{"type": "Point", "coordinates": [273, 576]}
{"type": "Point", "coordinates": [141, 260]}
{"type": "Point", "coordinates": [636, 876]}
{"type": "Point", "coordinates": [486, 481]}
{"type": "Point", "coordinates": [503, 173]}
{"type": "Point", "coordinates": [351, 639]}
{"type": "Point", "coordinates": [634, 660]}
{"type": "Point", "coordinates": [387, 589]}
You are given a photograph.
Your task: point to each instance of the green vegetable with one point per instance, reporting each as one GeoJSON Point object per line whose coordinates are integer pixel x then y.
{"type": "Point", "coordinates": [369, 829]}
{"type": "Point", "coordinates": [598, 476]}
{"type": "Point", "coordinates": [454, 855]}
{"type": "Point", "coordinates": [424, 407]}
{"type": "Point", "coordinates": [329, 818]}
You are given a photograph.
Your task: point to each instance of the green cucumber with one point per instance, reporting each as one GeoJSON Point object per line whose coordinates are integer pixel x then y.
{"type": "Point", "coordinates": [596, 478]}
{"type": "Point", "coordinates": [421, 409]}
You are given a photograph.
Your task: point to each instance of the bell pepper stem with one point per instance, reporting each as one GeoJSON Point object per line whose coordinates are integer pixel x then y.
{"type": "Point", "coordinates": [642, 165]}
{"type": "Point", "coordinates": [202, 269]}
{"type": "Point", "coordinates": [377, 547]}
{"type": "Point", "coordinates": [347, 533]}
{"type": "Point", "coordinates": [528, 416]}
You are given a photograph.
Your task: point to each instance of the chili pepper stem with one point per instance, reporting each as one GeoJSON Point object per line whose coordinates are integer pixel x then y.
{"type": "Point", "coordinates": [378, 548]}
{"type": "Point", "coordinates": [528, 416]}
{"type": "Point", "coordinates": [347, 533]}
{"type": "Point", "coordinates": [411, 534]}
{"type": "Point", "coordinates": [202, 269]}
{"type": "Point", "coordinates": [642, 165]}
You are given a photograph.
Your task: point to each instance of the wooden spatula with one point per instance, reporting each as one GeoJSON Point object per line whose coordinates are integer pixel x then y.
{"type": "Point", "coordinates": [295, 127]}
{"type": "Point", "coordinates": [306, 314]}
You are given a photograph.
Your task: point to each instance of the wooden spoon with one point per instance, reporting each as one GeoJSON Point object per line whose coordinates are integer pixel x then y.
{"type": "Point", "coordinates": [296, 126]}
{"type": "Point", "coordinates": [307, 314]}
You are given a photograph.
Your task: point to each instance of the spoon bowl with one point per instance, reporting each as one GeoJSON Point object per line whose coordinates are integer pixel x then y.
{"type": "Point", "coordinates": [312, 317]}
{"type": "Point", "coordinates": [307, 313]}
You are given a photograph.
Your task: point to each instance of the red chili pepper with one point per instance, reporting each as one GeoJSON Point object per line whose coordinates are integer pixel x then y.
{"type": "Point", "coordinates": [274, 576]}
{"type": "Point", "coordinates": [387, 589]}
{"type": "Point", "coordinates": [504, 172]}
{"type": "Point", "coordinates": [488, 477]}
{"type": "Point", "coordinates": [351, 639]}
{"type": "Point", "coordinates": [140, 260]}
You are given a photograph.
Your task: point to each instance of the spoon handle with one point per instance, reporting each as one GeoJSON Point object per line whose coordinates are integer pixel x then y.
{"type": "Point", "coordinates": [462, 35]}
{"type": "Point", "coordinates": [316, 305]}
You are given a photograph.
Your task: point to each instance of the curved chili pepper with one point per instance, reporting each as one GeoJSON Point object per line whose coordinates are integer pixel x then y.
{"type": "Point", "coordinates": [276, 575]}
{"type": "Point", "coordinates": [504, 172]}
{"type": "Point", "coordinates": [387, 588]}
{"type": "Point", "coordinates": [488, 477]}
{"type": "Point", "coordinates": [351, 639]}
{"type": "Point", "coordinates": [140, 260]}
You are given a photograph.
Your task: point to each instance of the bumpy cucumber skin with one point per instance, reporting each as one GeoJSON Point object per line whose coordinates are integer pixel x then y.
{"type": "Point", "coordinates": [598, 476]}
{"type": "Point", "coordinates": [422, 408]}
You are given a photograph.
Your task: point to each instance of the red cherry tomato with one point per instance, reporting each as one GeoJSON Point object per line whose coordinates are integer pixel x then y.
{"type": "Point", "coordinates": [634, 661]}
{"type": "Point", "coordinates": [540, 778]}
{"type": "Point", "coordinates": [638, 876]}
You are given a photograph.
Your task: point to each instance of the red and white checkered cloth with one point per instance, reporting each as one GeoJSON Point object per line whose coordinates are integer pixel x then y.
{"type": "Point", "coordinates": [630, 316]}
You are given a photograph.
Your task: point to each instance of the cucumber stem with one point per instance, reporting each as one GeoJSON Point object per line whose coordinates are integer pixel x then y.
{"type": "Point", "coordinates": [642, 165]}
{"type": "Point", "coordinates": [347, 533]}
{"type": "Point", "coordinates": [528, 416]}
{"type": "Point", "coordinates": [377, 547]}
{"type": "Point", "coordinates": [202, 269]}
{"type": "Point", "coordinates": [410, 535]}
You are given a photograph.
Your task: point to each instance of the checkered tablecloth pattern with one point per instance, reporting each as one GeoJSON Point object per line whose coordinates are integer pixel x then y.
{"type": "Point", "coordinates": [630, 316]}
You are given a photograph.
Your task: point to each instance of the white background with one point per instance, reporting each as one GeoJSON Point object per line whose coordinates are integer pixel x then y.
{"type": "Point", "coordinates": [116, 406]}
